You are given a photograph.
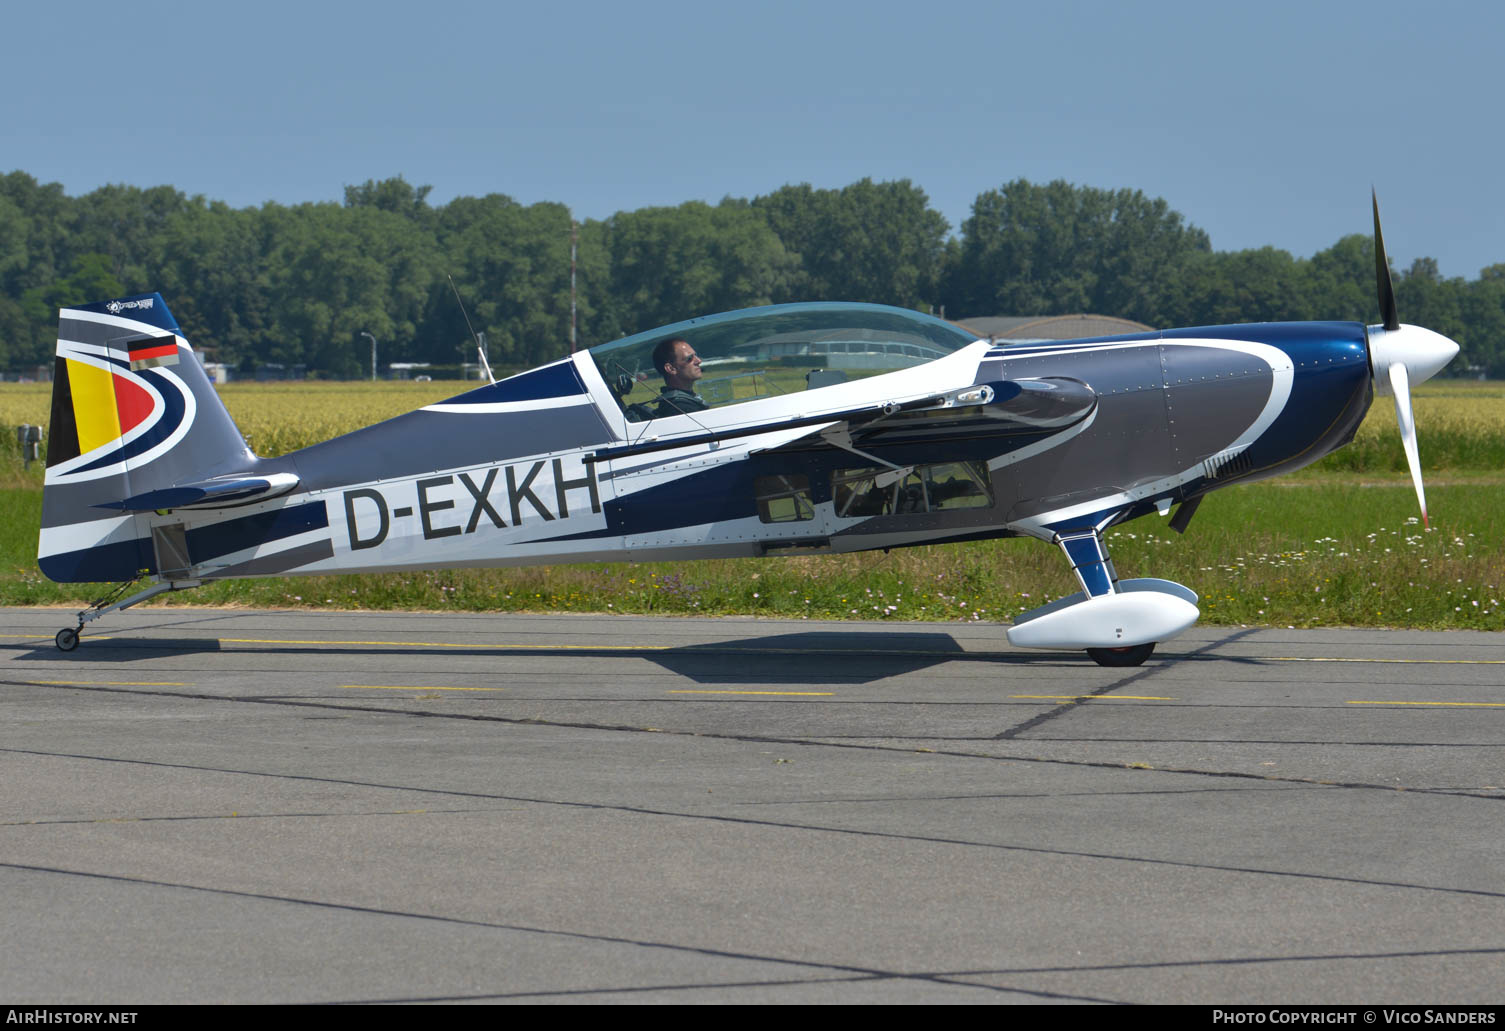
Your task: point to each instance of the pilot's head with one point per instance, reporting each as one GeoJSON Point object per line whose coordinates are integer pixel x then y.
{"type": "Point", "coordinates": [678, 363]}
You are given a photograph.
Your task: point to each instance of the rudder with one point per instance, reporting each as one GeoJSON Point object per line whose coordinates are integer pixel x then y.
{"type": "Point", "coordinates": [133, 414]}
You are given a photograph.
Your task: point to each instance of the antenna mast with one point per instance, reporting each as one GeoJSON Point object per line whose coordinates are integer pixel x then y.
{"type": "Point", "coordinates": [480, 338]}
{"type": "Point", "coordinates": [574, 238]}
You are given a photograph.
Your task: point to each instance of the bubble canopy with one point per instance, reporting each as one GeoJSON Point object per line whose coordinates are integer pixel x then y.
{"type": "Point", "coordinates": [782, 348]}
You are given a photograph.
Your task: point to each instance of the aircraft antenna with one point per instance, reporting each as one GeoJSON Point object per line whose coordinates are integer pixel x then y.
{"type": "Point", "coordinates": [574, 239]}
{"type": "Point", "coordinates": [480, 347]}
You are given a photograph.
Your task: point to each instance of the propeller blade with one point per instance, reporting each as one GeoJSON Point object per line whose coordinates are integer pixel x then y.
{"type": "Point", "coordinates": [1400, 385]}
{"type": "Point", "coordinates": [1397, 354]}
{"type": "Point", "coordinates": [1385, 287]}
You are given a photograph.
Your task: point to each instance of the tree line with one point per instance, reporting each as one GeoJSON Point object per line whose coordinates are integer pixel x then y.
{"type": "Point", "coordinates": [299, 284]}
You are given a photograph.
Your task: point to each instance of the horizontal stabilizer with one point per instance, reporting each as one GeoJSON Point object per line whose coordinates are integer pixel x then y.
{"type": "Point", "coordinates": [220, 492]}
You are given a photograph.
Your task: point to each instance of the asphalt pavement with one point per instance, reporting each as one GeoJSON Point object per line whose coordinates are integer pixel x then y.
{"type": "Point", "coordinates": [205, 805]}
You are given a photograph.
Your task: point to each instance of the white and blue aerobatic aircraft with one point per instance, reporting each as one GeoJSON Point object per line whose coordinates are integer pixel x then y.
{"type": "Point", "coordinates": [826, 428]}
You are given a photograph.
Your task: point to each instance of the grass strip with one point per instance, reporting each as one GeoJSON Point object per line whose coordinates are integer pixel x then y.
{"type": "Point", "coordinates": [1314, 554]}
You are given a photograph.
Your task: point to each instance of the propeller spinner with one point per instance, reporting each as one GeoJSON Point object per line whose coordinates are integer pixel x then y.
{"type": "Point", "coordinates": [1400, 355]}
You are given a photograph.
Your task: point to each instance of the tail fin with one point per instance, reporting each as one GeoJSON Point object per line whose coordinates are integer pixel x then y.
{"type": "Point", "coordinates": [136, 426]}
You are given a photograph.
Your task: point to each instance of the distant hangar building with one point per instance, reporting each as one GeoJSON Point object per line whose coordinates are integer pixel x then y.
{"type": "Point", "coordinates": [1019, 329]}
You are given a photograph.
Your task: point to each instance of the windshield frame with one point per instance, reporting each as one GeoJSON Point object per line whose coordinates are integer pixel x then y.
{"type": "Point", "coordinates": [866, 338]}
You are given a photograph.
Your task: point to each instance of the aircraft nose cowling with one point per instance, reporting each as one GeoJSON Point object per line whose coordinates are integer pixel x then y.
{"type": "Point", "coordinates": [1423, 353]}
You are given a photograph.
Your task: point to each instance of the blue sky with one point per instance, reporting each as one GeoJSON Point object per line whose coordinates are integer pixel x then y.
{"type": "Point", "coordinates": [1265, 124]}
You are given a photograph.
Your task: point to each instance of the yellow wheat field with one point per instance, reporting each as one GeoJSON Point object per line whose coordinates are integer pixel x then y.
{"type": "Point", "coordinates": [280, 417]}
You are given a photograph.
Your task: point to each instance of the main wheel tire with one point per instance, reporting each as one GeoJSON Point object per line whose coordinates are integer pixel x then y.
{"type": "Point", "coordinates": [1118, 657]}
{"type": "Point", "coordinates": [66, 639]}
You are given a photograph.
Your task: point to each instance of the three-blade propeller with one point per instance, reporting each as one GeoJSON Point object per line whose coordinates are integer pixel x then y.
{"type": "Point", "coordinates": [1401, 355]}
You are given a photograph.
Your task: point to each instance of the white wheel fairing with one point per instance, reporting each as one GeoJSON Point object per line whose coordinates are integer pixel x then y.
{"type": "Point", "coordinates": [1107, 621]}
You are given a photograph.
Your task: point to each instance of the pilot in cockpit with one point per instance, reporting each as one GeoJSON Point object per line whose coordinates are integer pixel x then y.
{"type": "Point", "coordinates": [678, 363]}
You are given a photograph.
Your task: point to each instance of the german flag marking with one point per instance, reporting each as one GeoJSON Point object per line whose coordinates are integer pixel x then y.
{"type": "Point", "coordinates": [152, 352]}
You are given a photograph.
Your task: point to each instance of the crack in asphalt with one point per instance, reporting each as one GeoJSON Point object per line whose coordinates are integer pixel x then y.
{"type": "Point", "coordinates": [344, 709]}
{"type": "Point", "coordinates": [607, 939]}
{"type": "Point", "coordinates": [1142, 674]}
{"type": "Point", "coordinates": [796, 826]}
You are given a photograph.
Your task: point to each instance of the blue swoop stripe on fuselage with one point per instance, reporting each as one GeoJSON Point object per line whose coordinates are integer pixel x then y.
{"type": "Point", "coordinates": [124, 560]}
{"type": "Point", "coordinates": [209, 542]}
{"type": "Point", "coordinates": [559, 380]}
{"type": "Point", "coordinates": [108, 563]}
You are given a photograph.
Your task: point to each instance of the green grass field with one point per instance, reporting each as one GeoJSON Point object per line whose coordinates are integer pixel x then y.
{"type": "Point", "coordinates": [1337, 544]}
{"type": "Point", "coordinates": [1305, 555]}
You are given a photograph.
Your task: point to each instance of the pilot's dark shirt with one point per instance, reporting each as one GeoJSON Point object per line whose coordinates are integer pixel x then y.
{"type": "Point", "coordinates": [673, 401]}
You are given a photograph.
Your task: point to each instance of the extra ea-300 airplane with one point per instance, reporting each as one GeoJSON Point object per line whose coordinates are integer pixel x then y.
{"type": "Point", "coordinates": [816, 428]}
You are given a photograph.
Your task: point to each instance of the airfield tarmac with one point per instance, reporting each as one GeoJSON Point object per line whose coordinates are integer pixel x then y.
{"type": "Point", "coordinates": [207, 805]}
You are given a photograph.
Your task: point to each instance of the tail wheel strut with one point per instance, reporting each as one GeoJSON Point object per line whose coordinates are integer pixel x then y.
{"type": "Point", "coordinates": [67, 638]}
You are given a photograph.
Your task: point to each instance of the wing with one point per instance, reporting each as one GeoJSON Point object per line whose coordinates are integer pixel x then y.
{"type": "Point", "coordinates": [1002, 408]}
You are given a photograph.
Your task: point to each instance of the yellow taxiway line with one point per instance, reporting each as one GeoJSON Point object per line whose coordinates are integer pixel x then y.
{"type": "Point", "coordinates": [1420, 662]}
{"type": "Point", "coordinates": [456, 644]}
{"type": "Point", "coordinates": [1094, 697]}
{"type": "Point", "coordinates": [106, 683]}
{"type": "Point", "coordinates": [801, 694]}
{"type": "Point", "coordinates": [731, 646]}
{"type": "Point", "coordinates": [534, 647]}
{"type": "Point", "coordinates": [415, 687]}
{"type": "Point", "coordinates": [1451, 705]}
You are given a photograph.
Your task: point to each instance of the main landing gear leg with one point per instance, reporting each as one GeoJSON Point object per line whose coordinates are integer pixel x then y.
{"type": "Point", "coordinates": [1089, 559]}
{"type": "Point", "coordinates": [67, 638]}
{"type": "Point", "coordinates": [1117, 622]}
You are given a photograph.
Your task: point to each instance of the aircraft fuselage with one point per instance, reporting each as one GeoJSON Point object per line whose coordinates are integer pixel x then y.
{"type": "Point", "coordinates": [1172, 417]}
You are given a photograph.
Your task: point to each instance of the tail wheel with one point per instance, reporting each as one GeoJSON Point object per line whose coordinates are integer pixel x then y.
{"type": "Point", "coordinates": [66, 639]}
{"type": "Point", "coordinates": [1133, 656]}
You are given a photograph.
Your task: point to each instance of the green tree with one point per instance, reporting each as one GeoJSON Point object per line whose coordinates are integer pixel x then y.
{"type": "Point", "coordinates": [216, 276]}
{"type": "Point", "coordinates": [337, 272]}
{"type": "Point", "coordinates": [511, 266]}
{"type": "Point", "coordinates": [669, 264]}
{"type": "Point", "coordinates": [1055, 249]}
{"type": "Point", "coordinates": [397, 196]}
{"type": "Point", "coordinates": [1484, 314]}
{"type": "Point", "coordinates": [90, 279]}
{"type": "Point", "coordinates": [299, 284]}
{"type": "Point", "coordinates": [127, 225]}
{"type": "Point", "coordinates": [1264, 284]}
{"type": "Point", "coordinates": [1424, 298]}
{"type": "Point", "coordinates": [1340, 281]}
{"type": "Point", "coordinates": [43, 222]}
{"type": "Point", "coordinates": [877, 242]}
